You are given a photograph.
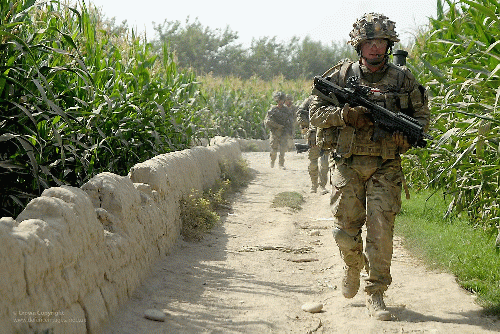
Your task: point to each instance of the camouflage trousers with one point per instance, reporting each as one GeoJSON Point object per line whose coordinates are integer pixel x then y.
{"type": "Point", "coordinates": [278, 144]}
{"type": "Point", "coordinates": [318, 174]}
{"type": "Point", "coordinates": [367, 191]}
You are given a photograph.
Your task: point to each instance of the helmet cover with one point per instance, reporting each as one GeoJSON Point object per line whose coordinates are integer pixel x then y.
{"type": "Point", "coordinates": [279, 96]}
{"type": "Point", "coordinates": [372, 26]}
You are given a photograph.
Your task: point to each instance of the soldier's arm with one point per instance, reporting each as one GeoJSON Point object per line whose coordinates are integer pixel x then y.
{"type": "Point", "coordinates": [273, 125]}
{"type": "Point", "coordinates": [302, 113]}
{"type": "Point", "coordinates": [303, 117]}
{"type": "Point", "coordinates": [323, 114]}
{"type": "Point", "coordinates": [270, 122]}
{"type": "Point", "coordinates": [419, 100]}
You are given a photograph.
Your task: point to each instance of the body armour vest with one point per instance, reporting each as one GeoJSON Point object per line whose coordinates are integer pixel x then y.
{"type": "Point", "coordinates": [386, 92]}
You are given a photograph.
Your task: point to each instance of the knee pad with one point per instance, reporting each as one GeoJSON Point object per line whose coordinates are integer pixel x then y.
{"type": "Point", "coordinates": [344, 240]}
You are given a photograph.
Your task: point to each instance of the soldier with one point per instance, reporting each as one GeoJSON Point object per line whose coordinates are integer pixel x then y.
{"type": "Point", "coordinates": [314, 151]}
{"type": "Point", "coordinates": [367, 177]}
{"type": "Point", "coordinates": [279, 121]}
{"type": "Point", "coordinates": [289, 103]}
{"type": "Point", "coordinates": [293, 109]}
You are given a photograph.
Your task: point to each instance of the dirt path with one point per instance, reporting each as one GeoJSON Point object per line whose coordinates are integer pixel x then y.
{"type": "Point", "coordinates": [254, 272]}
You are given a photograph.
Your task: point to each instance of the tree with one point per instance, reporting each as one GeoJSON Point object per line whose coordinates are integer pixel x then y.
{"type": "Point", "coordinates": [199, 47]}
{"type": "Point", "coordinates": [217, 52]}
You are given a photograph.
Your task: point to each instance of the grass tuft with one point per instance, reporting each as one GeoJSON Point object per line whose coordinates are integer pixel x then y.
{"type": "Point", "coordinates": [452, 244]}
{"type": "Point", "coordinates": [199, 210]}
{"type": "Point", "coordinates": [197, 215]}
{"type": "Point", "coordinates": [289, 199]}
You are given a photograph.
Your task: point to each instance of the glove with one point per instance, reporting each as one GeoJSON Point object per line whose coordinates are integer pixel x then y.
{"type": "Point", "coordinates": [401, 141]}
{"type": "Point", "coordinates": [356, 116]}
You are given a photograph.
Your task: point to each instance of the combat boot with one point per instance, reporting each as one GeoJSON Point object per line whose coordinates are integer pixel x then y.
{"type": "Point", "coordinates": [376, 306]}
{"type": "Point", "coordinates": [350, 281]}
{"type": "Point", "coordinates": [272, 163]}
{"type": "Point", "coordinates": [314, 189]}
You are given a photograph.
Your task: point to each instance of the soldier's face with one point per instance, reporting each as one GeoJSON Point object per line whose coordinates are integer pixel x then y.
{"type": "Point", "coordinates": [373, 50]}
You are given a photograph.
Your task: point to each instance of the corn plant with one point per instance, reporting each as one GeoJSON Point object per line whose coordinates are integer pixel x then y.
{"type": "Point", "coordinates": [458, 58]}
{"type": "Point", "coordinates": [237, 108]}
{"type": "Point", "coordinates": [77, 99]}
{"type": "Point", "coordinates": [39, 107]}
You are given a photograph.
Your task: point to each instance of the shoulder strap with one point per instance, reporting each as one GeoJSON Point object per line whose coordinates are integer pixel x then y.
{"type": "Point", "coordinates": [345, 69]}
{"type": "Point", "coordinates": [400, 76]}
{"type": "Point", "coordinates": [340, 64]}
{"type": "Point", "coordinates": [356, 69]}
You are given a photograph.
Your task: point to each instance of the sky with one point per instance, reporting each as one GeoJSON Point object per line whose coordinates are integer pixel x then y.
{"type": "Point", "coordinates": [324, 21]}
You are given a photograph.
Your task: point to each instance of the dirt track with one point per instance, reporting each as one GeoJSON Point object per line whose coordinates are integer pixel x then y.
{"type": "Point", "coordinates": [254, 272]}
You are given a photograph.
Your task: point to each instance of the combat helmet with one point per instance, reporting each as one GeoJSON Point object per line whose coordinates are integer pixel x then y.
{"type": "Point", "coordinates": [279, 96]}
{"type": "Point", "coordinates": [372, 26]}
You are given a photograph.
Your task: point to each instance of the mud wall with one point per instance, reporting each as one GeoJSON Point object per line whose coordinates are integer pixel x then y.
{"type": "Point", "coordinates": [74, 254]}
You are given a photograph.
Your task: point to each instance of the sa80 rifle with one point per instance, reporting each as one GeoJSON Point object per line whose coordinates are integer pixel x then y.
{"type": "Point", "coordinates": [386, 122]}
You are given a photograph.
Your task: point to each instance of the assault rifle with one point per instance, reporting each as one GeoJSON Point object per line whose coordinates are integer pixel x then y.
{"type": "Point", "coordinates": [386, 121]}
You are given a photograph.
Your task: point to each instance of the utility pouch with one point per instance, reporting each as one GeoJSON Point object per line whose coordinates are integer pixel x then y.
{"type": "Point", "coordinates": [403, 101]}
{"type": "Point", "coordinates": [396, 102]}
{"type": "Point", "coordinates": [326, 138]}
{"type": "Point", "coordinates": [345, 143]}
{"type": "Point", "coordinates": [389, 149]}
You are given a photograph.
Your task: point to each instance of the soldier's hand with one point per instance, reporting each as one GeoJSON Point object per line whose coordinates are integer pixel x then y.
{"type": "Point", "coordinates": [356, 116]}
{"type": "Point", "coordinates": [401, 141]}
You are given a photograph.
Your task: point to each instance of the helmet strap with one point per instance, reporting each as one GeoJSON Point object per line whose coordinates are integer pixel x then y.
{"type": "Point", "coordinates": [378, 61]}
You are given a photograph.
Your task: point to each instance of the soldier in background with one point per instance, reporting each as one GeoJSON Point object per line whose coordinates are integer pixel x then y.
{"type": "Point", "coordinates": [279, 121]}
{"type": "Point", "coordinates": [289, 104]}
{"type": "Point", "coordinates": [366, 177]}
{"type": "Point", "coordinates": [319, 175]}
{"type": "Point", "coordinates": [293, 109]}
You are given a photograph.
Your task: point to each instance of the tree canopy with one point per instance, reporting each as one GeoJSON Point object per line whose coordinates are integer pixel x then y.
{"type": "Point", "coordinates": [218, 52]}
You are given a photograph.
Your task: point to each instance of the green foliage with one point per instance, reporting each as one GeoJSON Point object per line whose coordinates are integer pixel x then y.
{"type": "Point", "coordinates": [291, 199]}
{"type": "Point", "coordinates": [217, 52]}
{"type": "Point", "coordinates": [77, 99]}
{"type": "Point", "coordinates": [452, 244]}
{"type": "Point", "coordinates": [197, 215]}
{"type": "Point", "coordinates": [237, 173]}
{"type": "Point", "coordinates": [199, 47]}
{"type": "Point", "coordinates": [458, 58]}
{"type": "Point", "coordinates": [199, 209]}
{"type": "Point", "coordinates": [236, 108]}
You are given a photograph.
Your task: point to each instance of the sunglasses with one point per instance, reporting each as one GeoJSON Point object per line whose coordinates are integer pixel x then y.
{"type": "Point", "coordinates": [378, 43]}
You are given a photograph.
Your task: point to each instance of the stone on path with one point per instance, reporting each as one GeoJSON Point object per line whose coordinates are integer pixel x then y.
{"type": "Point", "coordinates": [312, 307]}
{"type": "Point", "coordinates": [156, 315]}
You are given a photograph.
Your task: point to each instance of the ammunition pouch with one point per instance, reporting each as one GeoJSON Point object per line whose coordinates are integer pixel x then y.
{"type": "Point", "coordinates": [385, 148]}
{"type": "Point", "coordinates": [345, 142]}
{"type": "Point", "coordinates": [398, 102]}
{"type": "Point", "coordinates": [326, 138]}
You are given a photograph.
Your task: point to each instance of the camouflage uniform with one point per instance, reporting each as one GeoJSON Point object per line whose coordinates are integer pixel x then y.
{"type": "Point", "coordinates": [289, 104]}
{"type": "Point", "coordinates": [315, 152]}
{"type": "Point", "coordinates": [279, 121]}
{"type": "Point", "coordinates": [293, 110]}
{"type": "Point", "coordinates": [367, 177]}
